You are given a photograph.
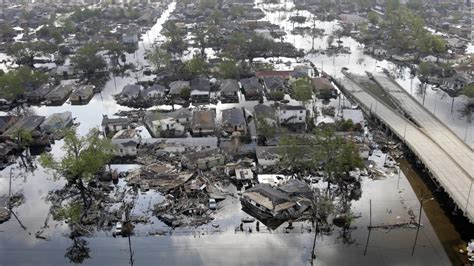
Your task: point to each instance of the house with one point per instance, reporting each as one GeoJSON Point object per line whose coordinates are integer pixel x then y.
{"type": "Point", "coordinates": [321, 84]}
{"type": "Point", "coordinates": [243, 174]}
{"type": "Point", "coordinates": [6, 122]}
{"type": "Point", "coordinates": [274, 85]}
{"type": "Point", "coordinates": [156, 91]}
{"type": "Point", "coordinates": [229, 91]}
{"type": "Point", "coordinates": [56, 122]}
{"type": "Point", "coordinates": [29, 124]}
{"type": "Point", "coordinates": [82, 94]}
{"type": "Point", "coordinates": [282, 74]}
{"type": "Point", "coordinates": [37, 95]}
{"type": "Point", "coordinates": [266, 112]}
{"type": "Point", "coordinates": [205, 159]}
{"type": "Point", "coordinates": [293, 117]}
{"type": "Point", "coordinates": [174, 123]}
{"type": "Point", "coordinates": [113, 125]}
{"type": "Point", "coordinates": [59, 94]}
{"type": "Point", "coordinates": [233, 120]}
{"type": "Point", "coordinates": [126, 147]}
{"type": "Point", "coordinates": [267, 156]}
{"type": "Point", "coordinates": [131, 91]}
{"type": "Point", "coordinates": [267, 202]}
{"type": "Point", "coordinates": [177, 87]}
{"type": "Point", "coordinates": [252, 88]}
{"type": "Point", "coordinates": [200, 90]}
{"type": "Point", "coordinates": [203, 122]}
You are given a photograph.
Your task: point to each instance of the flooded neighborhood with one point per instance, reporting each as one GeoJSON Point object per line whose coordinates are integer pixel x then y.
{"type": "Point", "coordinates": [236, 132]}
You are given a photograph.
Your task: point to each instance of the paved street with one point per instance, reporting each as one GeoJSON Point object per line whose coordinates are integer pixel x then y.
{"type": "Point", "coordinates": [448, 166]}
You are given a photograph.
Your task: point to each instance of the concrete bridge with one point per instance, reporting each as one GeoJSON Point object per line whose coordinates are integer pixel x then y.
{"type": "Point", "coordinates": [448, 159]}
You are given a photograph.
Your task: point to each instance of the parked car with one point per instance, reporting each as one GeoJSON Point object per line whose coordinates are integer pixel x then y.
{"type": "Point", "coordinates": [212, 204]}
{"type": "Point", "coordinates": [118, 228]}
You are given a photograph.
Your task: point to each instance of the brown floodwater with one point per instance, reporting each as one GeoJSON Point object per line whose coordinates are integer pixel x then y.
{"type": "Point", "coordinates": [440, 217]}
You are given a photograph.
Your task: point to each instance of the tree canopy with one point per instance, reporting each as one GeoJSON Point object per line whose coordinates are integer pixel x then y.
{"type": "Point", "coordinates": [14, 83]}
{"type": "Point", "coordinates": [87, 60]}
{"type": "Point", "coordinates": [25, 53]}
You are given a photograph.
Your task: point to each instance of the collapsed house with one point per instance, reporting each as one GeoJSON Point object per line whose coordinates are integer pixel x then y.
{"type": "Point", "coordinates": [203, 160]}
{"type": "Point", "coordinates": [203, 122]}
{"type": "Point", "coordinates": [274, 205]}
{"type": "Point", "coordinates": [175, 123]}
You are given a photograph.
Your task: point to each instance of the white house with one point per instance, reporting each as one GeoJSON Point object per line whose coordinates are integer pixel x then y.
{"type": "Point", "coordinates": [126, 147]}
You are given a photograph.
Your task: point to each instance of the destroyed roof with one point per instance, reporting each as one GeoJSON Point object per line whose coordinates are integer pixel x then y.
{"type": "Point", "coordinates": [125, 134]}
{"type": "Point", "coordinates": [200, 84]}
{"type": "Point", "coordinates": [208, 142]}
{"type": "Point", "coordinates": [194, 156]}
{"type": "Point", "coordinates": [204, 119]}
{"type": "Point", "coordinates": [233, 116]}
{"type": "Point", "coordinates": [229, 86]}
{"type": "Point", "coordinates": [125, 142]}
{"type": "Point", "coordinates": [6, 121]}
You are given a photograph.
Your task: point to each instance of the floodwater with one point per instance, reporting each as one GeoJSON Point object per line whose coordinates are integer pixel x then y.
{"type": "Point", "coordinates": [387, 200]}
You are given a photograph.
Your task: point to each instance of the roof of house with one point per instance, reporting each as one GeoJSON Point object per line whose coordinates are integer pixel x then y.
{"type": "Point", "coordinates": [177, 86]}
{"type": "Point", "coordinates": [321, 83]}
{"type": "Point", "coordinates": [200, 84]}
{"type": "Point", "coordinates": [274, 83]}
{"type": "Point", "coordinates": [296, 187]}
{"type": "Point", "coordinates": [84, 90]}
{"type": "Point", "coordinates": [229, 86]}
{"type": "Point", "coordinates": [114, 121]}
{"type": "Point", "coordinates": [292, 107]}
{"type": "Point", "coordinates": [29, 123]}
{"type": "Point", "coordinates": [274, 195]}
{"type": "Point", "coordinates": [204, 119]}
{"type": "Point", "coordinates": [251, 84]}
{"type": "Point", "coordinates": [61, 90]}
{"type": "Point", "coordinates": [233, 116]}
{"type": "Point", "coordinates": [156, 87]}
{"type": "Point", "coordinates": [264, 109]}
{"type": "Point", "coordinates": [6, 121]}
{"type": "Point", "coordinates": [131, 90]}
{"type": "Point", "coordinates": [281, 74]}
{"type": "Point", "coordinates": [57, 118]}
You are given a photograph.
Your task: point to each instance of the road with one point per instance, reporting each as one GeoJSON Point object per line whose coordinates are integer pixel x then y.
{"type": "Point", "coordinates": [430, 125]}
{"type": "Point", "coordinates": [442, 165]}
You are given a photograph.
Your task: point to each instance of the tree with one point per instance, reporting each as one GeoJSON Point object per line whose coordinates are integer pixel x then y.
{"type": "Point", "coordinates": [200, 39]}
{"type": "Point", "coordinates": [330, 40]}
{"type": "Point", "coordinates": [115, 50]}
{"type": "Point", "coordinates": [302, 90]}
{"type": "Point", "coordinates": [229, 69]}
{"type": "Point", "coordinates": [25, 53]}
{"type": "Point", "coordinates": [264, 127]}
{"type": "Point", "coordinates": [175, 43]}
{"type": "Point", "coordinates": [415, 4]}
{"type": "Point", "coordinates": [88, 61]}
{"type": "Point", "coordinates": [14, 82]}
{"type": "Point", "coordinates": [469, 91]}
{"type": "Point", "coordinates": [196, 66]}
{"type": "Point", "coordinates": [159, 58]}
{"type": "Point", "coordinates": [84, 158]}
{"type": "Point", "coordinates": [373, 17]}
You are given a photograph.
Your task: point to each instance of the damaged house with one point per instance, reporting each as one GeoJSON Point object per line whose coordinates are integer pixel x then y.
{"type": "Point", "coordinates": [203, 160]}
{"type": "Point", "coordinates": [233, 120]}
{"type": "Point", "coordinates": [114, 125]}
{"type": "Point", "coordinates": [82, 95]}
{"type": "Point", "coordinates": [252, 88]}
{"type": "Point", "coordinates": [204, 122]}
{"type": "Point", "coordinates": [178, 87]}
{"type": "Point", "coordinates": [56, 122]}
{"type": "Point", "coordinates": [171, 124]}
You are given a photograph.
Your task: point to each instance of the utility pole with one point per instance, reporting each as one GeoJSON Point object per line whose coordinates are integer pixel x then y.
{"type": "Point", "coordinates": [370, 227]}
{"type": "Point", "coordinates": [419, 221]}
{"type": "Point", "coordinates": [10, 192]}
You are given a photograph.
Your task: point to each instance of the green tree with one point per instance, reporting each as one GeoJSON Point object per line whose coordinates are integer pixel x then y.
{"type": "Point", "coordinates": [200, 39]}
{"type": "Point", "coordinates": [229, 69]}
{"type": "Point", "coordinates": [264, 128]}
{"type": "Point", "coordinates": [196, 66]}
{"type": "Point", "coordinates": [469, 91]}
{"type": "Point", "coordinates": [373, 17]}
{"type": "Point", "coordinates": [159, 58]}
{"type": "Point", "coordinates": [14, 82]}
{"type": "Point", "coordinates": [88, 61]}
{"type": "Point", "coordinates": [302, 90]}
{"type": "Point", "coordinates": [25, 53]}
{"type": "Point", "coordinates": [175, 43]}
{"type": "Point", "coordinates": [84, 158]}
{"type": "Point", "coordinates": [115, 50]}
